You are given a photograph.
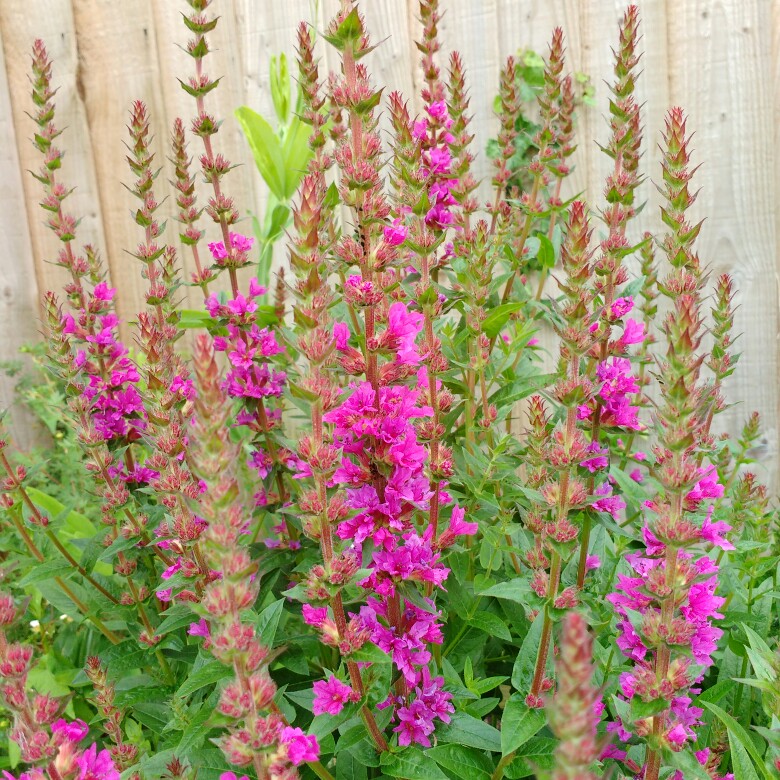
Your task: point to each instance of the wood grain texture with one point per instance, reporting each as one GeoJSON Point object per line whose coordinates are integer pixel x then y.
{"type": "Point", "coordinates": [721, 55]}
{"type": "Point", "coordinates": [110, 84]}
{"type": "Point", "coordinates": [51, 20]}
{"type": "Point", "coordinates": [18, 289]}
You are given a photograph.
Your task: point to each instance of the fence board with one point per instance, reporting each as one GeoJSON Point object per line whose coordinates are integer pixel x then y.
{"type": "Point", "coordinates": [723, 55]}
{"type": "Point", "coordinates": [18, 291]}
{"type": "Point", "coordinates": [51, 20]}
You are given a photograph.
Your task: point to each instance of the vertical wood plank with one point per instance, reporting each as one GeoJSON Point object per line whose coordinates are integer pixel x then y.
{"type": "Point", "coordinates": [19, 310]}
{"type": "Point", "coordinates": [118, 61]}
{"type": "Point", "coordinates": [722, 53]}
{"type": "Point", "coordinates": [51, 20]}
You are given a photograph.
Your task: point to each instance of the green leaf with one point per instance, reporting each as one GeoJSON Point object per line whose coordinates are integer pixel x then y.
{"type": "Point", "coordinates": [47, 570]}
{"type": "Point", "coordinates": [518, 725]}
{"type": "Point", "coordinates": [175, 617]}
{"type": "Point", "coordinates": [523, 668]}
{"type": "Point", "coordinates": [462, 761]}
{"type": "Point", "coordinates": [467, 730]}
{"type": "Point", "coordinates": [79, 526]}
{"type": "Point", "coordinates": [740, 761]}
{"type": "Point", "coordinates": [491, 624]}
{"type": "Point", "coordinates": [280, 87]}
{"type": "Point", "coordinates": [210, 673]}
{"type": "Point", "coordinates": [516, 590]}
{"type": "Point", "coordinates": [296, 153]}
{"type": "Point", "coordinates": [267, 622]}
{"type": "Point", "coordinates": [738, 732]}
{"type": "Point", "coordinates": [716, 692]}
{"type": "Point", "coordinates": [325, 724]}
{"type": "Point", "coordinates": [196, 730]}
{"type": "Point", "coordinates": [546, 253]}
{"type": "Point", "coordinates": [498, 317]}
{"type": "Point", "coordinates": [266, 150]}
{"type": "Point", "coordinates": [349, 767]}
{"type": "Point", "coordinates": [536, 754]}
{"type": "Point", "coordinates": [194, 318]}
{"type": "Point", "coordinates": [411, 763]}
{"type": "Point", "coordinates": [684, 761]}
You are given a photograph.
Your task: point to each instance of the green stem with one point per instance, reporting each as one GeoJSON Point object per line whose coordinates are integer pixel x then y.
{"type": "Point", "coordinates": [502, 765]}
{"type": "Point", "coordinates": [320, 770]}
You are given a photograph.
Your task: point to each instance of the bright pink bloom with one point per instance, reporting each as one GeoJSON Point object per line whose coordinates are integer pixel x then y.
{"type": "Point", "coordinates": [633, 332]}
{"type": "Point", "coordinates": [396, 233]}
{"type": "Point", "coordinates": [621, 307]}
{"type": "Point", "coordinates": [330, 696]}
{"type": "Point", "coordinates": [73, 731]}
{"type": "Point", "coordinates": [598, 460]}
{"type": "Point", "coordinates": [201, 628]}
{"type": "Point", "coordinates": [300, 747]}
{"type": "Point", "coordinates": [341, 335]}
{"type": "Point", "coordinates": [96, 766]}
{"type": "Point", "coordinates": [314, 616]}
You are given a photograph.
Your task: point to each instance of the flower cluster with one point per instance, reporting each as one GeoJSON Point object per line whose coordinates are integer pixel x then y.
{"type": "Point", "coordinates": [386, 486]}
{"type": "Point", "coordinates": [433, 134]}
{"type": "Point", "coordinates": [45, 738]}
{"type": "Point", "coordinates": [402, 578]}
{"type": "Point", "coordinates": [111, 378]}
{"type": "Point", "coordinates": [666, 607]}
{"type": "Point", "coordinates": [252, 377]}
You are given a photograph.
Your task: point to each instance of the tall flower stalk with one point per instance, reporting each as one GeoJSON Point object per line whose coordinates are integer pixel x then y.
{"type": "Point", "coordinates": [624, 149]}
{"type": "Point", "coordinates": [666, 607]}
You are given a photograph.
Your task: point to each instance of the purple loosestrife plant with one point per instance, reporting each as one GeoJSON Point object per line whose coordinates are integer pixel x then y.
{"type": "Point", "coordinates": [350, 528]}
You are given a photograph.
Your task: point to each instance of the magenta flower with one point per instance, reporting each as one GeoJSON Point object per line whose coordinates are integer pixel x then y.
{"type": "Point", "coordinates": [73, 731]}
{"type": "Point", "coordinates": [598, 460]}
{"type": "Point", "coordinates": [201, 628]}
{"type": "Point", "coordinates": [396, 233]}
{"type": "Point", "coordinates": [330, 696]}
{"type": "Point", "coordinates": [314, 616]}
{"type": "Point", "coordinates": [403, 326]}
{"type": "Point", "coordinates": [300, 746]}
{"type": "Point", "coordinates": [621, 306]}
{"type": "Point", "coordinates": [96, 766]}
{"type": "Point", "coordinates": [633, 333]}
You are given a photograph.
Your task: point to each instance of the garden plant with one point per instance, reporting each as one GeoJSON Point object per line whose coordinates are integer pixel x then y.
{"type": "Point", "coordinates": [442, 497]}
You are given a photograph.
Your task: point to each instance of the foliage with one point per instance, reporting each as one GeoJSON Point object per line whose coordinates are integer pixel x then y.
{"type": "Point", "coordinates": [365, 526]}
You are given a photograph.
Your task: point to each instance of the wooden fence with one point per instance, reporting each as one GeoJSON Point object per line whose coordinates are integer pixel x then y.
{"type": "Point", "coordinates": [716, 58]}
